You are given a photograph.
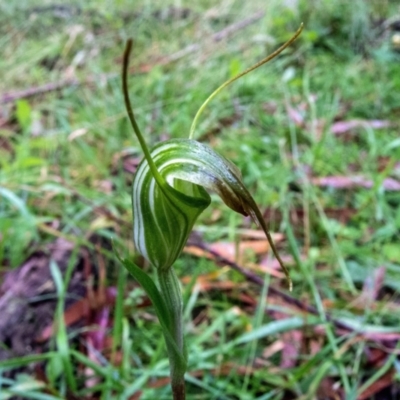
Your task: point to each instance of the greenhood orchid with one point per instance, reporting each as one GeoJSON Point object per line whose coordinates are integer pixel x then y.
{"type": "Point", "coordinates": [170, 191]}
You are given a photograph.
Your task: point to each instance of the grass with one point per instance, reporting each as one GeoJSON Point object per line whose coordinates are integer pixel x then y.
{"type": "Point", "coordinates": [52, 184]}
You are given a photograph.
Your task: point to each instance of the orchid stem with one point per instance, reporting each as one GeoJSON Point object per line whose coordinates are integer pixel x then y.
{"type": "Point", "coordinates": [172, 295]}
{"type": "Point", "coordinates": [157, 176]}
{"type": "Point", "coordinates": [229, 81]}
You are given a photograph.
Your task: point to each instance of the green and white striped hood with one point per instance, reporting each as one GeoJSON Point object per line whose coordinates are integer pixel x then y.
{"type": "Point", "coordinates": [164, 214]}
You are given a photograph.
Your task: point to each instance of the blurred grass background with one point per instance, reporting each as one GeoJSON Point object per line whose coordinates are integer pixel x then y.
{"type": "Point", "coordinates": [328, 108]}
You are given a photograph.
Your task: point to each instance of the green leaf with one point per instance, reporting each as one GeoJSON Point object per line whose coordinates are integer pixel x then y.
{"type": "Point", "coordinates": [16, 201]}
{"type": "Point", "coordinates": [161, 310]}
{"type": "Point", "coordinates": [275, 327]}
{"type": "Point", "coordinates": [23, 113]}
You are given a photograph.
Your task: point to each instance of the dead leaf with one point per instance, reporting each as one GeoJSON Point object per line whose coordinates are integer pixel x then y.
{"type": "Point", "coordinates": [273, 348]}
{"type": "Point", "coordinates": [256, 234]}
{"type": "Point", "coordinates": [372, 285]}
{"type": "Point", "coordinates": [269, 264]}
{"type": "Point", "coordinates": [375, 356]}
{"type": "Point", "coordinates": [295, 116]}
{"type": "Point", "coordinates": [248, 299]}
{"type": "Point", "coordinates": [105, 186]}
{"type": "Point", "coordinates": [341, 127]}
{"type": "Point", "coordinates": [101, 222]}
{"type": "Point", "coordinates": [77, 311]}
{"type": "Point", "coordinates": [238, 253]}
{"type": "Point", "coordinates": [131, 164]}
{"type": "Point", "coordinates": [349, 182]}
{"type": "Point", "coordinates": [76, 133]}
{"type": "Point", "coordinates": [291, 349]}
{"type": "Point", "coordinates": [328, 391]}
{"type": "Point", "coordinates": [383, 382]}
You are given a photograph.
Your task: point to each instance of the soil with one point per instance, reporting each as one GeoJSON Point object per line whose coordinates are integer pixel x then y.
{"type": "Point", "coordinates": [28, 298]}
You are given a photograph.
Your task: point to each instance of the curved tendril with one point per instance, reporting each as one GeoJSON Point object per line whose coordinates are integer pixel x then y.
{"type": "Point", "coordinates": [228, 82]}
{"type": "Point", "coordinates": [274, 250]}
{"type": "Point", "coordinates": [157, 176]}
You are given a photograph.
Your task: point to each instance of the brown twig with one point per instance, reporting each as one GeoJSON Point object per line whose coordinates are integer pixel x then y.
{"type": "Point", "coordinates": [37, 90]}
{"type": "Point", "coordinates": [237, 26]}
{"type": "Point", "coordinates": [10, 97]}
{"type": "Point", "coordinates": [260, 282]}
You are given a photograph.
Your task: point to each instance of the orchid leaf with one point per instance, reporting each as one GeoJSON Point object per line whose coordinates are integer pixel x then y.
{"type": "Point", "coordinates": [159, 305]}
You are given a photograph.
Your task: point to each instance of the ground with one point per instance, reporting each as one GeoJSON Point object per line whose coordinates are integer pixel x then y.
{"type": "Point", "coordinates": [315, 135]}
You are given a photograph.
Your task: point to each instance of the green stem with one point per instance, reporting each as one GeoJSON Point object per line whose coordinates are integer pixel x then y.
{"type": "Point", "coordinates": [228, 82]}
{"type": "Point", "coordinates": [172, 296]}
{"type": "Point", "coordinates": [157, 176]}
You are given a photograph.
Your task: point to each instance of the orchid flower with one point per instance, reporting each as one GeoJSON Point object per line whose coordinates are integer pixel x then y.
{"type": "Point", "coordinates": [170, 191]}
